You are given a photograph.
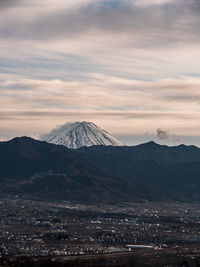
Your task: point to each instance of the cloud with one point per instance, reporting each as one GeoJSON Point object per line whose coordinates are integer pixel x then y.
{"type": "Point", "coordinates": [136, 40]}
{"type": "Point", "coordinates": [9, 3]}
{"type": "Point", "coordinates": [151, 2]}
{"type": "Point", "coordinates": [100, 92]}
{"type": "Point", "coordinates": [155, 25]}
{"type": "Point", "coordinates": [166, 135]}
{"type": "Point", "coordinates": [162, 134]}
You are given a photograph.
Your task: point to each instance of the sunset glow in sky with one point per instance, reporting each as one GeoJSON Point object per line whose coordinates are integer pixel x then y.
{"type": "Point", "coordinates": [130, 66]}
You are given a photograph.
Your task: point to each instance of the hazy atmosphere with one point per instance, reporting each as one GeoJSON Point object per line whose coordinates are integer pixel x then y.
{"type": "Point", "coordinates": [131, 67]}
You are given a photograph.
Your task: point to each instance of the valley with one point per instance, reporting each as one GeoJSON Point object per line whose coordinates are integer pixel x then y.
{"type": "Point", "coordinates": [64, 233]}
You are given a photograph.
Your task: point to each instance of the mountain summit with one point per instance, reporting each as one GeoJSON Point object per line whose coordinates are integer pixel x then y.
{"type": "Point", "coordinates": [79, 134]}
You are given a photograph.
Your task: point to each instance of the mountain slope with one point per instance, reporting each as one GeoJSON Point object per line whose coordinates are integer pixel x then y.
{"type": "Point", "coordinates": [148, 172]}
{"type": "Point", "coordinates": [36, 168]}
{"type": "Point", "coordinates": [115, 157]}
{"type": "Point", "coordinates": [79, 134]}
{"type": "Point", "coordinates": [171, 169]}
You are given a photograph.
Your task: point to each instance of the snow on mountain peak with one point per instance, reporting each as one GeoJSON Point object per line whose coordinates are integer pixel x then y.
{"type": "Point", "coordinates": [79, 134]}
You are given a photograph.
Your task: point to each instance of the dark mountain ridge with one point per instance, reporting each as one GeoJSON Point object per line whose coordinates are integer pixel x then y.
{"type": "Point", "coordinates": [148, 151]}
{"type": "Point", "coordinates": [147, 172]}
{"type": "Point", "coordinates": [173, 170]}
{"type": "Point", "coordinates": [37, 168]}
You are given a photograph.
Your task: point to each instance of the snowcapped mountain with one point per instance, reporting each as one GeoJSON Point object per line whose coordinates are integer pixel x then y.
{"type": "Point", "coordinates": [79, 134]}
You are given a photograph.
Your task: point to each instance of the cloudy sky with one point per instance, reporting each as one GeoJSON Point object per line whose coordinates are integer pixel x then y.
{"type": "Point", "coordinates": [130, 66]}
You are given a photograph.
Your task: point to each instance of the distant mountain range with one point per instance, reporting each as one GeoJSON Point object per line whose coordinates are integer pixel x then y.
{"type": "Point", "coordinates": [109, 174]}
{"type": "Point", "coordinates": [173, 171]}
{"type": "Point", "coordinates": [79, 134]}
{"type": "Point", "coordinates": [39, 169]}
